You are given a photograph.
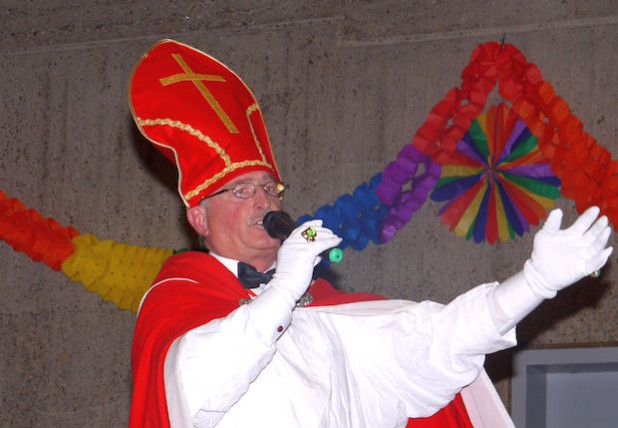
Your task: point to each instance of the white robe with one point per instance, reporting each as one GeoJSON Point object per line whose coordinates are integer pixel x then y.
{"type": "Point", "coordinates": [364, 364]}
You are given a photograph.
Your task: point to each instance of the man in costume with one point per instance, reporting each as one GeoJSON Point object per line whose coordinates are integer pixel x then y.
{"type": "Point", "coordinates": [216, 344]}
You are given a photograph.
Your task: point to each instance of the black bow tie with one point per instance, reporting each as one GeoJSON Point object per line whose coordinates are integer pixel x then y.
{"type": "Point", "coordinates": [250, 278]}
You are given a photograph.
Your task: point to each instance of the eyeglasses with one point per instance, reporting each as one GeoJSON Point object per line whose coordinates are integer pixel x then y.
{"type": "Point", "coordinates": [247, 190]}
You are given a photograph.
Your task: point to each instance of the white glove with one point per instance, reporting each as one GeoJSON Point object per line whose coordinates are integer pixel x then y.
{"type": "Point", "coordinates": [562, 257]}
{"type": "Point", "coordinates": [297, 258]}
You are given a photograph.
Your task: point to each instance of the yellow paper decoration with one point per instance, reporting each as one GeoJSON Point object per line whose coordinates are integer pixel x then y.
{"type": "Point", "coordinates": [120, 273]}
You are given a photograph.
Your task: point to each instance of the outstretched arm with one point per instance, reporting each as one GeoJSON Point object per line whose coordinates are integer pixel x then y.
{"type": "Point", "coordinates": [440, 349]}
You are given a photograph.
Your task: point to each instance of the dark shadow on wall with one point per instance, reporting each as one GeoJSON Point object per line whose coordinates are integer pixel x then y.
{"type": "Point", "coordinates": [165, 173]}
{"type": "Point", "coordinates": [587, 293]}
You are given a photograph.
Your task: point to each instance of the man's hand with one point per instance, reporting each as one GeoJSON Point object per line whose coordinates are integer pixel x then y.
{"type": "Point", "coordinates": [297, 257]}
{"type": "Point", "coordinates": [562, 257]}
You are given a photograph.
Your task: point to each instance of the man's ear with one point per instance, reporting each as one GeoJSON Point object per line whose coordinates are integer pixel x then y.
{"type": "Point", "coordinates": [197, 219]}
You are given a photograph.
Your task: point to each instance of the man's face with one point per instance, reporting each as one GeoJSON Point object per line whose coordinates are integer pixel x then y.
{"type": "Point", "coordinates": [234, 226]}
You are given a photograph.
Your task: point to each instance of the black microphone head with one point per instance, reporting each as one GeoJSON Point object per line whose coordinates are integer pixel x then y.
{"type": "Point", "coordinates": [278, 224]}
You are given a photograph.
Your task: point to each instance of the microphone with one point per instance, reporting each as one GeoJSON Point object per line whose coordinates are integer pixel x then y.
{"type": "Point", "coordinates": [279, 224]}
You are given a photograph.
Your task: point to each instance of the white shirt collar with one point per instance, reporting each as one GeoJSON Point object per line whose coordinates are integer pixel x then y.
{"type": "Point", "coordinates": [232, 266]}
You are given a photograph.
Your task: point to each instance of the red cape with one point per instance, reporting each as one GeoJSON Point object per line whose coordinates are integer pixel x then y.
{"type": "Point", "coordinates": [177, 305]}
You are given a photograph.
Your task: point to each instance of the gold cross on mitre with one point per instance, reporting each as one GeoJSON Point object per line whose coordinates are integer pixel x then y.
{"type": "Point", "coordinates": [197, 80]}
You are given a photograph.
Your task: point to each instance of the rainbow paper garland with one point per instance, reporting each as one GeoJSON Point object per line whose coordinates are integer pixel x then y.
{"type": "Point", "coordinates": [356, 218]}
{"type": "Point", "coordinates": [588, 174]}
{"type": "Point", "coordinates": [493, 192]}
{"type": "Point", "coordinates": [118, 272]}
{"type": "Point", "coordinates": [25, 230]}
{"type": "Point", "coordinates": [497, 182]}
{"type": "Point", "coordinates": [421, 172]}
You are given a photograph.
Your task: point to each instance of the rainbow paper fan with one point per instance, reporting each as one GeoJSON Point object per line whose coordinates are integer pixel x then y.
{"type": "Point", "coordinates": [497, 182]}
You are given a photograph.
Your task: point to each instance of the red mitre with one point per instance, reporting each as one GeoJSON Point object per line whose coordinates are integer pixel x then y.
{"type": "Point", "coordinates": [201, 116]}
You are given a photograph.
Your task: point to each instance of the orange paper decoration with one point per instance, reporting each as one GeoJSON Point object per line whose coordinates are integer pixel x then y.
{"type": "Point", "coordinates": [26, 230]}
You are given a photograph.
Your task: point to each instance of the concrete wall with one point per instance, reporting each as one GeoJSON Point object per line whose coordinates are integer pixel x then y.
{"type": "Point", "coordinates": [343, 86]}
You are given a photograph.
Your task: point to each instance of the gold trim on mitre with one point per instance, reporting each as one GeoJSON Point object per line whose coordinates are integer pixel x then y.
{"type": "Point", "coordinates": [191, 131]}
{"type": "Point", "coordinates": [229, 165]}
